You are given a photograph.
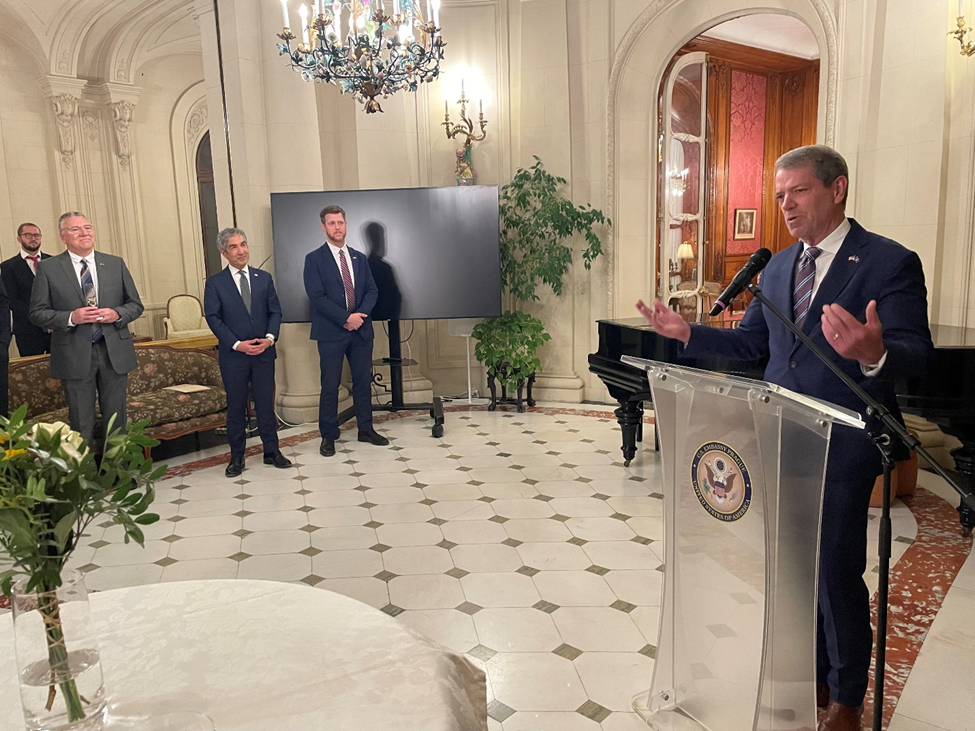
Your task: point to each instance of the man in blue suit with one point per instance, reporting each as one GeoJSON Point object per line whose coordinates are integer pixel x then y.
{"type": "Point", "coordinates": [242, 310]}
{"type": "Point", "coordinates": [342, 292]}
{"type": "Point", "coordinates": [840, 282]}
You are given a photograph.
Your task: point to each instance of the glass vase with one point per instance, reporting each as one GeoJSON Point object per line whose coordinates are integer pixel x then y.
{"type": "Point", "coordinates": [58, 665]}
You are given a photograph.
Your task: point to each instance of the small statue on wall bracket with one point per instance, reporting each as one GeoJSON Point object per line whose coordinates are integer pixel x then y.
{"type": "Point", "coordinates": [464, 169]}
{"type": "Point", "coordinates": [464, 172]}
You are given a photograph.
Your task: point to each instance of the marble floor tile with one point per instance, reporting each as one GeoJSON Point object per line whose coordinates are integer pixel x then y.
{"type": "Point", "coordinates": [502, 589]}
{"type": "Point", "coordinates": [598, 629]}
{"type": "Point", "coordinates": [574, 589]}
{"type": "Point", "coordinates": [425, 591]}
{"type": "Point", "coordinates": [517, 630]}
{"type": "Point", "coordinates": [489, 542]}
{"type": "Point", "coordinates": [536, 681]}
{"type": "Point", "coordinates": [611, 679]}
{"type": "Point", "coordinates": [417, 560]}
{"type": "Point", "coordinates": [368, 590]}
{"type": "Point", "coordinates": [486, 558]}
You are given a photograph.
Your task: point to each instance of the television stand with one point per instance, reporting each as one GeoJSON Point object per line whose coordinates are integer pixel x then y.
{"type": "Point", "coordinates": [396, 363]}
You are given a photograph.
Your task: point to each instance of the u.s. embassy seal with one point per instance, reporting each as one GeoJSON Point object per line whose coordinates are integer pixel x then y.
{"type": "Point", "coordinates": [721, 481]}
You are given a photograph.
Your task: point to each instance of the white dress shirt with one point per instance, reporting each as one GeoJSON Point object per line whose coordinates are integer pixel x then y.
{"type": "Point", "coordinates": [235, 275]}
{"type": "Point", "coordinates": [828, 248]}
{"type": "Point", "coordinates": [76, 263]}
{"type": "Point", "coordinates": [26, 257]}
{"type": "Point", "coordinates": [348, 258]}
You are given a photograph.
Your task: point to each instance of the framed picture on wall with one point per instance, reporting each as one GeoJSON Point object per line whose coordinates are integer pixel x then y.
{"type": "Point", "coordinates": [745, 223]}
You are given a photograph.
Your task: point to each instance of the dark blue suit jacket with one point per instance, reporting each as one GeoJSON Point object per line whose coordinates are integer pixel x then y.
{"type": "Point", "coordinates": [229, 320]}
{"type": "Point", "coordinates": [866, 267]}
{"type": "Point", "coordinates": [326, 291]}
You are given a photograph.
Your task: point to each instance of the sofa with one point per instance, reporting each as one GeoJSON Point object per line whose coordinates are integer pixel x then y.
{"type": "Point", "coordinates": [171, 413]}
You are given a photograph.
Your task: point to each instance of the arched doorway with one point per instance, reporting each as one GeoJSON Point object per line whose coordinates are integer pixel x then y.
{"type": "Point", "coordinates": [208, 206]}
{"type": "Point", "coordinates": [639, 66]}
{"type": "Point", "coordinates": [731, 101]}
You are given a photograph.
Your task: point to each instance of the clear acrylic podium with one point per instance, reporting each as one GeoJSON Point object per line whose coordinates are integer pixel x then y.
{"type": "Point", "coordinates": [744, 464]}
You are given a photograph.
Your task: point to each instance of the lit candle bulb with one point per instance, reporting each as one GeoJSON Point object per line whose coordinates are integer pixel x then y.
{"type": "Point", "coordinates": [284, 10]}
{"type": "Point", "coordinates": [303, 14]}
{"type": "Point", "coordinates": [436, 12]}
{"type": "Point", "coordinates": [429, 12]}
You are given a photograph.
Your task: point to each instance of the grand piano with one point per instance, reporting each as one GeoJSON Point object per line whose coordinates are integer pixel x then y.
{"type": "Point", "coordinates": [945, 395]}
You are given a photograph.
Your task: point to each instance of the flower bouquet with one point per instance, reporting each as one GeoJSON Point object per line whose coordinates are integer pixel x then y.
{"type": "Point", "coordinates": [51, 489]}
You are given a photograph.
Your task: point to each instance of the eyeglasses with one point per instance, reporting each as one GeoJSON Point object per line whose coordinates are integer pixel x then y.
{"type": "Point", "coordinates": [75, 230]}
{"type": "Point", "coordinates": [30, 236]}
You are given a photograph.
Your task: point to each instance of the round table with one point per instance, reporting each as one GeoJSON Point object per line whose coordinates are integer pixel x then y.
{"type": "Point", "coordinates": [259, 655]}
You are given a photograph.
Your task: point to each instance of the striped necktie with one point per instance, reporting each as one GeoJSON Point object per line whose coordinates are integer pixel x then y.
{"type": "Point", "coordinates": [805, 278]}
{"type": "Point", "coordinates": [88, 289]}
{"type": "Point", "coordinates": [347, 281]}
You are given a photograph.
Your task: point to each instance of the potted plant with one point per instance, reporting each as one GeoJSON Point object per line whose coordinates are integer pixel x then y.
{"type": "Point", "coordinates": [51, 489]}
{"type": "Point", "coordinates": [508, 344]}
{"type": "Point", "coordinates": [537, 224]}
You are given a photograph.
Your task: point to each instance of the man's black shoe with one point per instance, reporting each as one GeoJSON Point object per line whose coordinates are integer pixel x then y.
{"type": "Point", "coordinates": [328, 448]}
{"type": "Point", "coordinates": [235, 467]}
{"type": "Point", "coordinates": [278, 460]}
{"type": "Point", "coordinates": [373, 437]}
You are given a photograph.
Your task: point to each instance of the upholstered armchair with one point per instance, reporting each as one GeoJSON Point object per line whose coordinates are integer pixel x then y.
{"type": "Point", "coordinates": [184, 317]}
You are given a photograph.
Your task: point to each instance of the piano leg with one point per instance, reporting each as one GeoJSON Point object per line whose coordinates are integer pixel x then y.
{"type": "Point", "coordinates": [630, 416]}
{"type": "Point", "coordinates": [964, 458]}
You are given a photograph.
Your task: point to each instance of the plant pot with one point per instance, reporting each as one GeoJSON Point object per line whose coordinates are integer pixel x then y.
{"type": "Point", "coordinates": [58, 664]}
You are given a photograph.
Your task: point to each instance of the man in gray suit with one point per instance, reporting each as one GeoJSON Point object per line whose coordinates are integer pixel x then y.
{"type": "Point", "coordinates": [87, 300]}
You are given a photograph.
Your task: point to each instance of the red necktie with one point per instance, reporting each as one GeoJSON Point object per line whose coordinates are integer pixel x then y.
{"type": "Point", "coordinates": [34, 259]}
{"type": "Point", "coordinates": [347, 280]}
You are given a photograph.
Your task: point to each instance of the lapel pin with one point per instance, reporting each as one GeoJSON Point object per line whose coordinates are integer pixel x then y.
{"type": "Point", "coordinates": [854, 259]}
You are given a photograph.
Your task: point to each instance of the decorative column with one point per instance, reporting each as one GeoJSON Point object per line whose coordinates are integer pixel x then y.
{"type": "Point", "coordinates": [118, 102]}
{"type": "Point", "coordinates": [64, 95]}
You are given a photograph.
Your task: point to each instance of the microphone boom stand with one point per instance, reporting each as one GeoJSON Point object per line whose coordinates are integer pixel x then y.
{"type": "Point", "coordinates": [882, 438]}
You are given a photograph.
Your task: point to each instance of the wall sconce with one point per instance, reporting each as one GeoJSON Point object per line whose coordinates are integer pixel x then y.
{"type": "Point", "coordinates": [967, 47]}
{"type": "Point", "coordinates": [464, 172]}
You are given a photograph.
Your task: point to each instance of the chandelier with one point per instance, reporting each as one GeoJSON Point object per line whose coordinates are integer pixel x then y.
{"type": "Point", "coordinates": [367, 53]}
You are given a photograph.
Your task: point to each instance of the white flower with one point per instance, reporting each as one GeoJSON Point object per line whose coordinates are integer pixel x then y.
{"type": "Point", "coordinates": [72, 444]}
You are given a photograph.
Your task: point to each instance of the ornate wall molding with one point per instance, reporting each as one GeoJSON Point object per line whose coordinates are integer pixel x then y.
{"type": "Point", "coordinates": [820, 16]}
{"type": "Point", "coordinates": [121, 119]}
{"type": "Point", "coordinates": [65, 108]}
{"type": "Point", "coordinates": [197, 122]}
{"type": "Point", "coordinates": [121, 101]}
{"type": "Point", "coordinates": [64, 94]}
{"type": "Point", "coordinates": [90, 120]}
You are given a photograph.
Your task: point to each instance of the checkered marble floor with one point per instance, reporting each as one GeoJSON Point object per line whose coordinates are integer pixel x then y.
{"type": "Point", "coordinates": [519, 539]}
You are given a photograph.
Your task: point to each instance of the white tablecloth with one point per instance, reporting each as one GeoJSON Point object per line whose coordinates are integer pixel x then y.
{"type": "Point", "coordinates": [265, 656]}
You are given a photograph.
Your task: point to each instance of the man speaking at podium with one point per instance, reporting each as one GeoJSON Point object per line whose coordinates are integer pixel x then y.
{"type": "Point", "coordinates": [861, 298]}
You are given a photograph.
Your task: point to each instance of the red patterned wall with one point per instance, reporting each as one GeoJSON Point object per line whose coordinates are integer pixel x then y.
{"type": "Point", "coordinates": [746, 156]}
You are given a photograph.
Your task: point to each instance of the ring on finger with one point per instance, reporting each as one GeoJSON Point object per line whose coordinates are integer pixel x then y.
{"type": "Point", "coordinates": [836, 336]}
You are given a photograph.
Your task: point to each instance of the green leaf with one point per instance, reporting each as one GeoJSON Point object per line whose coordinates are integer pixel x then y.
{"type": "Point", "coordinates": [62, 531]}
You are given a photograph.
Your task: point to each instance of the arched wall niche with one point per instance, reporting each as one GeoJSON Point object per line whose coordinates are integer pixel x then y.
{"type": "Point", "coordinates": [638, 67]}
{"type": "Point", "coordinates": [188, 125]}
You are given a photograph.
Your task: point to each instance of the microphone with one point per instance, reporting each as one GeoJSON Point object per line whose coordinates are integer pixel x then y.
{"type": "Point", "coordinates": [742, 279]}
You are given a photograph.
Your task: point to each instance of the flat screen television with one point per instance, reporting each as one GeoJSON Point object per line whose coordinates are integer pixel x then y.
{"type": "Point", "coordinates": [433, 251]}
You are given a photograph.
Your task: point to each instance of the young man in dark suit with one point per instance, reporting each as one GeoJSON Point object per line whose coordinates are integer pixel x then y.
{"type": "Point", "coordinates": [87, 300]}
{"type": "Point", "coordinates": [342, 292]}
{"type": "Point", "coordinates": [840, 282]}
{"type": "Point", "coordinates": [242, 310]}
{"type": "Point", "coordinates": [17, 274]}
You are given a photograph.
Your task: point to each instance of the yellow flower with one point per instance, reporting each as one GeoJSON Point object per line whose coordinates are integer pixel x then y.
{"type": "Point", "coordinates": [9, 454]}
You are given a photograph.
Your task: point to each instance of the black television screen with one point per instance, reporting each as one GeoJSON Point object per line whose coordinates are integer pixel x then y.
{"type": "Point", "coordinates": [433, 251]}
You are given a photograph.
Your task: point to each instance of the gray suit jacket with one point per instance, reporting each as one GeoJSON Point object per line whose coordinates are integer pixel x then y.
{"type": "Point", "coordinates": [57, 292]}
